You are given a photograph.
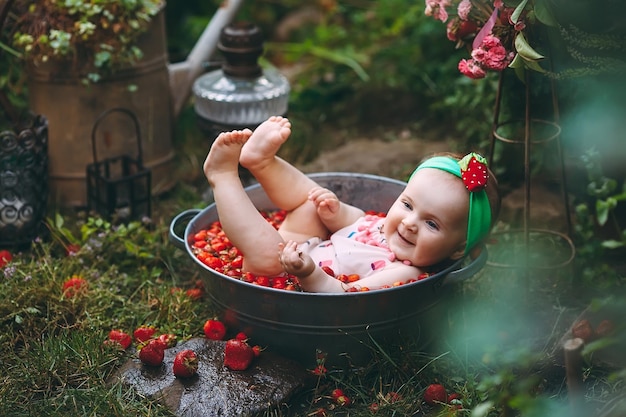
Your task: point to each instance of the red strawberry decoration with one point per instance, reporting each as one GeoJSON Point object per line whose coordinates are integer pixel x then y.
{"type": "Point", "coordinates": [144, 333]}
{"type": "Point", "coordinates": [435, 393]}
{"type": "Point", "coordinates": [238, 355]}
{"type": "Point", "coordinates": [152, 353]}
{"type": "Point", "coordinates": [120, 337]}
{"type": "Point", "coordinates": [185, 364]}
{"type": "Point", "coordinates": [474, 172]}
{"type": "Point", "coordinates": [214, 329]}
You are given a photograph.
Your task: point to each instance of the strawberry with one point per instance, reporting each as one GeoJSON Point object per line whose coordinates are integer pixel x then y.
{"type": "Point", "coordinates": [144, 333]}
{"type": "Point", "coordinates": [583, 330]}
{"type": "Point", "coordinates": [342, 400]}
{"type": "Point", "coordinates": [74, 286]}
{"type": "Point", "coordinates": [120, 337]}
{"type": "Point", "coordinates": [72, 249]}
{"type": "Point", "coordinates": [328, 270]}
{"type": "Point", "coordinates": [435, 393]}
{"type": "Point", "coordinates": [168, 339]}
{"type": "Point", "coordinates": [336, 393]}
{"type": "Point", "coordinates": [152, 352]}
{"type": "Point", "coordinates": [605, 328]}
{"type": "Point", "coordinates": [5, 257]}
{"type": "Point", "coordinates": [194, 293]}
{"type": "Point", "coordinates": [474, 172]}
{"type": "Point", "coordinates": [241, 336]}
{"type": "Point", "coordinates": [185, 364]}
{"type": "Point", "coordinates": [238, 355]}
{"type": "Point", "coordinates": [214, 329]}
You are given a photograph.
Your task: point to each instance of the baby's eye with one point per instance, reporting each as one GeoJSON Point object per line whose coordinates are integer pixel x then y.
{"type": "Point", "coordinates": [433, 225]}
{"type": "Point", "coordinates": [407, 205]}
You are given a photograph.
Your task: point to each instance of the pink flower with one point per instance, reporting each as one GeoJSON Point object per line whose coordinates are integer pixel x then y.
{"type": "Point", "coordinates": [491, 54]}
{"type": "Point", "coordinates": [464, 9]}
{"type": "Point", "coordinates": [490, 41]}
{"type": "Point", "coordinates": [498, 4]}
{"type": "Point", "coordinates": [470, 68]}
{"type": "Point", "coordinates": [437, 9]}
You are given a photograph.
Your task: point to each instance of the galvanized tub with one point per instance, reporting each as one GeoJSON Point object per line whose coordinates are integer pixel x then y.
{"type": "Point", "coordinates": [348, 327]}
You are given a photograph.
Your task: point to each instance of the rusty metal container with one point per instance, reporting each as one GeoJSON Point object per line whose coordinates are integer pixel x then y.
{"type": "Point", "coordinates": [72, 109]}
{"type": "Point", "coordinates": [346, 326]}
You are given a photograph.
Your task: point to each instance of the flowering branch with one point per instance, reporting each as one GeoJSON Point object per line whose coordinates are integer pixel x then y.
{"type": "Point", "coordinates": [493, 31]}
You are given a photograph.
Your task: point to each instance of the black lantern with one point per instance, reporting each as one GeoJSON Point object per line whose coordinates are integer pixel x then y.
{"type": "Point", "coordinates": [119, 186]}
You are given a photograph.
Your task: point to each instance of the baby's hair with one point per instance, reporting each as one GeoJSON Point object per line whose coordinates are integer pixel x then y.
{"type": "Point", "coordinates": [492, 190]}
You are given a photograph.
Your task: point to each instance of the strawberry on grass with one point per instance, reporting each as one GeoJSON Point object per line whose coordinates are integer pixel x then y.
{"type": "Point", "coordinates": [120, 337]}
{"type": "Point", "coordinates": [144, 333]}
{"type": "Point", "coordinates": [435, 393]}
{"type": "Point", "coordinates": [5, 257]}
{"type": "Point", "coordinates": [170, 340]}
{"type": "Point", "coordinates": [74, 286]}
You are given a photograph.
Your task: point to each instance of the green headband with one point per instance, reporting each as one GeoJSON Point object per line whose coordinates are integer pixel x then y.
{"type": "Point", "coordinates": [472, 169]}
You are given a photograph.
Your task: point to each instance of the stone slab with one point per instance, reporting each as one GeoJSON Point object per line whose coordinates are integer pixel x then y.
{"type": "Point", "coordinates": [216, 391]}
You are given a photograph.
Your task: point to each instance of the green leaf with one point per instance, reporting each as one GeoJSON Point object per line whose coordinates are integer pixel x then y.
{"type": "Point", "coordinates": [602, 212]}
{"type": "Point", "coordinates": [518, 11]}
{"type": "Point", "coordinates": [525, 50]}
{"type": "Point", "coordinates": [544, 15]}
{"type": "Point", "coordinates": [482, 409]}
{"type": "Point", "coordinates": [517, 62]}
{"type": "Point", "coordinates": [612, 244]}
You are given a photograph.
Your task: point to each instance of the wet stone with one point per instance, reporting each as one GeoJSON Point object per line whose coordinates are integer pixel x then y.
{"type": "Point", "coordinates": [269, 382]}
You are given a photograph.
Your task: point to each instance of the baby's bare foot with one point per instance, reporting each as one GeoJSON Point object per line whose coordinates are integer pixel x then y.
{"type": "Point", "coordinates": [223, 158]}
{"type": "Point", "coordinates": [264, 143]}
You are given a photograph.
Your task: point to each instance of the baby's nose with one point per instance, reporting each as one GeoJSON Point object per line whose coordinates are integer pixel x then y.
{"type": "Point", "coordinates": [410, 222]}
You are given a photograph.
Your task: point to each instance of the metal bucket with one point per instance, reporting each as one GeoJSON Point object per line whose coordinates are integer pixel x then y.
{"type": "Point", "coordinates": [71, 123]}
{"type": "Point", "coordinates": [346, 326]}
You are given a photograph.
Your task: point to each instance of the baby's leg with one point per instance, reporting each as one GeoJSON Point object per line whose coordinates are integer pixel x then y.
{"type": "Point", "coordinates": [240, 219]}
{"type": "Point", "coordinates": [285, 185]}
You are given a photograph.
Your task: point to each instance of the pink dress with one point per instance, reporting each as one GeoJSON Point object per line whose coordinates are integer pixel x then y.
{"type": "Point", "coordinates": [356, 249]}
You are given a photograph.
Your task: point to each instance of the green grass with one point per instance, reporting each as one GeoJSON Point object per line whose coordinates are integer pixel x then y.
{"type": "Point", "coordinates": [491, 349]}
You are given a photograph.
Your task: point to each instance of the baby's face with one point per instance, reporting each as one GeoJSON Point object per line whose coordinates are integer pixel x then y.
{"type": "Point", "coordinates": [428, 222]}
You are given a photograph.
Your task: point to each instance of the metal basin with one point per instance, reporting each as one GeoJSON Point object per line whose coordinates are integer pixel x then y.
{"type": "Point", "coordinates": [346, 326]}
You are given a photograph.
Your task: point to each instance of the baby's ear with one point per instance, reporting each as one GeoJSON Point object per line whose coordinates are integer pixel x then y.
{"type": "Point", "coordinates": [459, 252]}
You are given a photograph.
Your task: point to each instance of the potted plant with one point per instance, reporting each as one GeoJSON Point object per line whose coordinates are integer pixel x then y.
{"type": "Point", "coordinates": [79, 58]}
{"type": "Point", "coordinates": [92, 38]}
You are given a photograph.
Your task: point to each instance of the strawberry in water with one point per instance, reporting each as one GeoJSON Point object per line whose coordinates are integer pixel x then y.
{"type": "Point", "coordinates": [185, 364]}
{"type": "Point", "coordinates": [238, 355]}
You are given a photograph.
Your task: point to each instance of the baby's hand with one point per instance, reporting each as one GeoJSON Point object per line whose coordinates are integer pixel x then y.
{"type": "Point", "coordinates": [325, 201]}
{"type": "Point", "coordinates": [293, 261]}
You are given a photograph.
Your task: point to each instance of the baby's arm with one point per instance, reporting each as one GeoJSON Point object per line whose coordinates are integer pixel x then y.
{"type": "Point", "coordinates": [334, 213]}
{"type": "Point", "coordinates": [312, 278]}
